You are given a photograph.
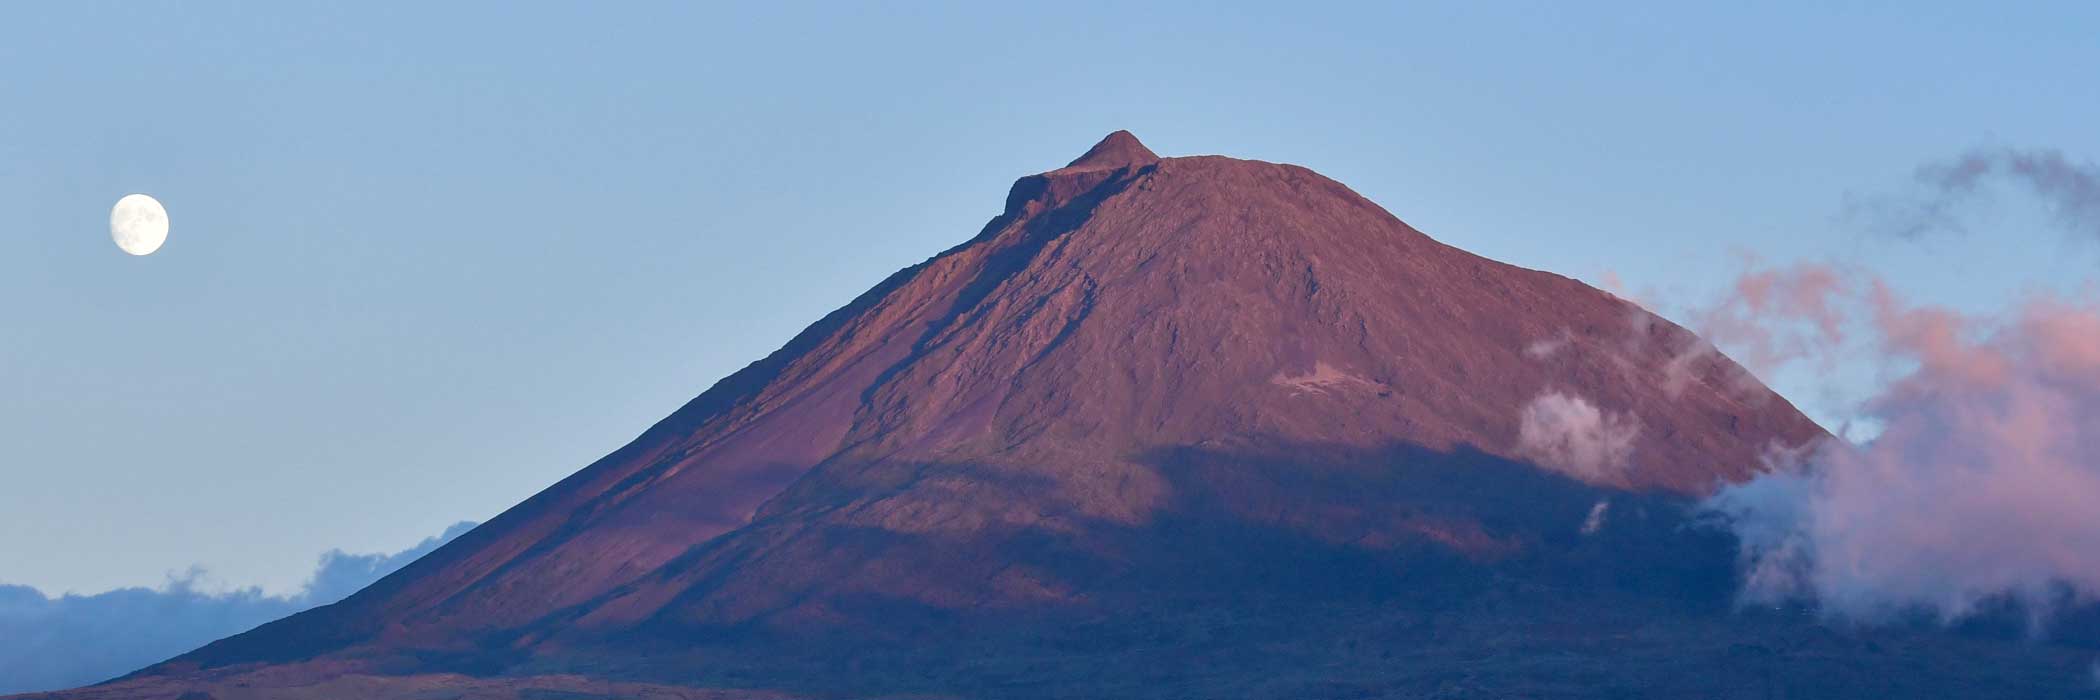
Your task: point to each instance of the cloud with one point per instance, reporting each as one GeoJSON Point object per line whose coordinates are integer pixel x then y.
{"type": "Point", "coordinates": [1566, 433]}
{"type": "Point", "coordinates": [1691, 359]}
{"type": "Point", "coordinates": [1979, 487]}
{"type": "Point", "coordinates": [341, 574]}
{"type": "Point", "coordinates": [73, 640]}
{"type": "Point", "coordinates": [1772, 316]}
{"type": "Point", "coordinates": [2070, 190]}
{"type": "Point", "coordinates": [1546, 348]}
{"type": "Point", "coordinates": [1595, 520]}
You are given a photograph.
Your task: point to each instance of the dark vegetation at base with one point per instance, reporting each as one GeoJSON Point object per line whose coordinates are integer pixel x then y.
{"type": "Point", "coordinates": [1225, 594]}
{"type": "Point", "coordinates": [1206, 602]}
{"type": "Point", "coordinates": [1498, 644]}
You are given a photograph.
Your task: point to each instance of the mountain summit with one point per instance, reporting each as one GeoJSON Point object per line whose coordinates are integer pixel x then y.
{"type": "Point", "coordinates": [1117, 150]}
{"type": "Point", "coordinates": [1158, 413]}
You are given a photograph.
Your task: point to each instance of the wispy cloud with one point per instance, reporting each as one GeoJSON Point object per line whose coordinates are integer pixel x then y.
{"type": "Point", "coordinates": [49, 643]}
{"type": "Point", "coordinates": [1943, 191]}
{"type": "Point", "coordinates": [1773, 316]}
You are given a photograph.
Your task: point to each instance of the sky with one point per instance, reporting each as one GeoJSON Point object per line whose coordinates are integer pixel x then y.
{"type": "Point", "coordinates": [425, 260]}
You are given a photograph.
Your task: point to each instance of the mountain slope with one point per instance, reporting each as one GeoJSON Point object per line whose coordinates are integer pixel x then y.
{"type": "Point", "coordinates": [1146, 380]}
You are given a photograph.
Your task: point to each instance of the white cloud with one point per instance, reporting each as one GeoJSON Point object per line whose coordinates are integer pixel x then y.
{"type": "Point", "coordinates": [1595, 520]}
{"type": "Point", "coordinates": [1566, 433]}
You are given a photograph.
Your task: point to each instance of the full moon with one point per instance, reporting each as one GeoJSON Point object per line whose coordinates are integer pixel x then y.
{"type": "Point", "coordinates": [138, 224]}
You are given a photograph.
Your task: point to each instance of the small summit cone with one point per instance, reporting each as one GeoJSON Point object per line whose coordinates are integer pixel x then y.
{"type": "Point", "coordinates": [1119, 157]}
{"type": "Point", "coordinates": [1117, 150]}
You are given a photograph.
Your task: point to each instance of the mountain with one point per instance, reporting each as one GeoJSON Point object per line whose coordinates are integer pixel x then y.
{"type": "Point", "coordinates": [1165, 426]}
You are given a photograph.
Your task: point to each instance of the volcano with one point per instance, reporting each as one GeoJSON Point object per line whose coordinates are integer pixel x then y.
{"type": "Point", "coordinates": [1174, 427]}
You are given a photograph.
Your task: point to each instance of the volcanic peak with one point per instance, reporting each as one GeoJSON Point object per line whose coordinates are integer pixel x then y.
{"type": "Point", "coordinates": [1117, 150]}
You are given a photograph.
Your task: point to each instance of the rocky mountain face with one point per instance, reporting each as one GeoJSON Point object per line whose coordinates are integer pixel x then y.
{"type": "Point", "coordinates": [1166, 425]}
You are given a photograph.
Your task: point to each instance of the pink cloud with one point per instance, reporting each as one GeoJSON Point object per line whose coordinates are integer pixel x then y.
{"type": "Point", "coordinates": [1982, 482]}
{"type": "Point", "coordinates": [1775, 316]}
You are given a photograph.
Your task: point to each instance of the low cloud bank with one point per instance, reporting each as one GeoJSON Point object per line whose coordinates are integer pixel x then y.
{"type": "Point", "coordinates": [1980, 487]}
{"type": "Point", "coordinates": [73, 640]}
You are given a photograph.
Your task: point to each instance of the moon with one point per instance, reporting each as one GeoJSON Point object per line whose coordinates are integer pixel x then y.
{"type": "Point", "coordinates": [138, 224]}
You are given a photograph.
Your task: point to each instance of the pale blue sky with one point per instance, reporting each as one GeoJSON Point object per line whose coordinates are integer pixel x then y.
{"type": "Point", "coordinates": [426, 260]}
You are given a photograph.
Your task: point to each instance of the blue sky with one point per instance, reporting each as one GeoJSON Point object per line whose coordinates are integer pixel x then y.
{"type": "Point", "coordinates": [425, 260]}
